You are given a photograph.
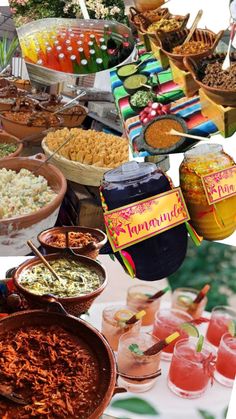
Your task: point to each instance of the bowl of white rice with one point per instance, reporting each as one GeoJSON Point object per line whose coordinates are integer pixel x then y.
{"type": "Point", "coordinates": [30, 198]}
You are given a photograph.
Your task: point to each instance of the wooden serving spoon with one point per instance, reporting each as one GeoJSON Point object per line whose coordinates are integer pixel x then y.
{"type": "Point", "coordinates": [193, 27]}
{"type": "Point", "coordinates": [183, 134]}
{"type": "Point", "coordinates": [43, 260]}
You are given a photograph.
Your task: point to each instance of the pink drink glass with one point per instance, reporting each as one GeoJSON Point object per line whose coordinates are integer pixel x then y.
{"type": "Point", "coordinates": [191, 371]}
{"type": "Point", "coordinates": [226, 360]}
{"type": "Point", "coordinates": [221, 317]}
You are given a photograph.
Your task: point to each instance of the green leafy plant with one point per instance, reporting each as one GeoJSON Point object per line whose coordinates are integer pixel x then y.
{"type": "Point", "coordinates": [7, 50]}
{"type": "Point", "coordinates": [135, 405]}
{"type": "Point", "coordinates": [211, 263]}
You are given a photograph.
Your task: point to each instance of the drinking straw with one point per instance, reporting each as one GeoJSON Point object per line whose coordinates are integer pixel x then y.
{"type": "Point", "coordinates": [158, 294]}
{"type": "Point", "coordinates": [201, 294]}
{"type": "Point", "coordinates": [155, 349]}
{"type": "Point", "coordinates": [136, 317]}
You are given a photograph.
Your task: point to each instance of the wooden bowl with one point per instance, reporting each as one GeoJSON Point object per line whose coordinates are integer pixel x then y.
{"type": "Point", "coordinates": [23, 131]}
{"type": "Point", "coordinates": [197, 69]}
{"type": "Point", "coordinates": [73, 305]}
{"type": "Point", "coordinates": [143, 145]}
{"type": "Point", "coordinates": [87, 334]}
{"type": "Point", "coordinates": [89, 251]}
{"type": "Point", "coordinates": [169, 41]}
{"type": "Point", "coordinates": [15, 231]}
{"type": "Point", "coordinates": [9, 139]}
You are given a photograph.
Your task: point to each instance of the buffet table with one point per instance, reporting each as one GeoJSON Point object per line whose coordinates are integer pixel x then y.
{"type": "Point", "coordinates": [166, 403]}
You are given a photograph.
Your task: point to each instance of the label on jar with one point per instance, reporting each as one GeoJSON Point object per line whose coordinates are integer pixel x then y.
{"type": "Point", "coordinates": [141, 220]}
{"type": "Point", "coordinates": [220, 185]}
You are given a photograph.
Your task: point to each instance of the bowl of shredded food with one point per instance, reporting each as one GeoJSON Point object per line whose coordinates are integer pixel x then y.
{"type": "Point", "coordinates": [202, 43]}
{"type": "Point", "coordinates": [30, 197]}
{"type": "Point", "coordinates": [10, 146]}
{"type": "Point", "coordinates": [81, 240]}
{"type": "Point", "coordinates": [25, 124]}
{"type": "Point", "coordinates": [80, 281]}
{"type": "Point", "coordinates": [59, 366]}
{"type": "Point", "coordinates": [218, 84]}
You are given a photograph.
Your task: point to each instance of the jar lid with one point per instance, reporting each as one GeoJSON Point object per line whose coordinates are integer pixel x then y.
{"type": "Point", "coordinates": [129, 171]}
{"type": "Point", "coordinates": [202, 150]}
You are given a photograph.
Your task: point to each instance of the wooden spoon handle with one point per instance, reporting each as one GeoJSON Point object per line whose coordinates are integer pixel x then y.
{"type": "Point", "coordinates": [42, 258]}
{"type": "Point", "coordinates": [183, 134]}
{"type": "Point", "coordinates": [194, 25]}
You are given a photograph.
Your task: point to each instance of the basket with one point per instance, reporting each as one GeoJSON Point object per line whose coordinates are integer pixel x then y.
{"type": "Point", "coordinates": [84, 174]}
{"type": "Point", "coordinates": [168, 41]}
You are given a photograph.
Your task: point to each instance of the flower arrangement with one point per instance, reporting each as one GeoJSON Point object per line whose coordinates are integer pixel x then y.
{"type": "Point", "coordinates": [28, 10]}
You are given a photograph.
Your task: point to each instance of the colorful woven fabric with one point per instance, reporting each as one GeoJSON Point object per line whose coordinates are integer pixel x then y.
{"type": "Point", "coordinates": [187, 108]}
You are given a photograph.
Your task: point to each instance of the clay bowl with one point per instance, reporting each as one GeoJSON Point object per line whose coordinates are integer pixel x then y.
{"type": "Point", "coordinates": [22, 130]}
{"type": "Point", "coordinates": [216, 94]}
{"type": "Point", "coordinates": [169, 41]}
{"type": "Point", "coordinates": [91, 250]}
{"type": "Point", "coordinates": [143, 145]}
{"type": "Point", "coordinates": [181, 20]}
{"type": "Point", "coordinates": [140, 19]}
{"type": "Point", "coordinates": [15, 231]}
{"type": "Point", "coordinates": [74, 119]}
{"type": "Point", "coordinates": [9, 139]}
{"type": "Point", "coordinates": [87, 334]}
{"type": "Point", "coordinates": [73, 305]}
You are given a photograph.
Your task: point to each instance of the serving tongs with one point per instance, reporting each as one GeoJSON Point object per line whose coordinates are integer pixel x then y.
{"type": "Point", "coordinates": [7, 394]}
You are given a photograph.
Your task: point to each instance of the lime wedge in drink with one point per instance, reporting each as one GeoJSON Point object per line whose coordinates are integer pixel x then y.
{"type": "Point", "coordinates": [123, 315]}
{"type": "Point", "coordinates": [232, 327]}
{"type": "Point", "coordinates": [200, 344]}
{"type": "Point", "coordinates": [184, 300]}
{"type": "Point", "coordinates": [190, 329]}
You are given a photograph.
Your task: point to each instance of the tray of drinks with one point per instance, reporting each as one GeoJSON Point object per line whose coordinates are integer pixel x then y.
{"type": "Point", "coordinates": [55, 48]}
{"type": "Point", "coordinates": [189, 374]}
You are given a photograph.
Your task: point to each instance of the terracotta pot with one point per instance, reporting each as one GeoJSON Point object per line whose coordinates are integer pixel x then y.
{"type": "Point", "coordinates": [217, 94]}
{"type": "Point", "coordinates": [73, 120]}
{"type": "Point", "coordinates": [142, 19]}
{"type": "Point", "coordinates": [89, 251]}
{"type": "Point", "coordinates": [182, 21]}
{"type": "Point", "coordinates": [87, 334]}
{"type": "Point", "coordinates": [168, 41]}
{"type": "Point", "coordinates": [22, 130]}
{"type": "Point", "coordinates": [73, 305]}
{"type": "Point", "coordinates": [9, 139]}
{"type": "Point", "coordinates": [14, 232]}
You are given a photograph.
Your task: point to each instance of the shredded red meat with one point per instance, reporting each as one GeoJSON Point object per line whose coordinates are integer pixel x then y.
{"type": "Point", "coordinates": [50, 368]}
